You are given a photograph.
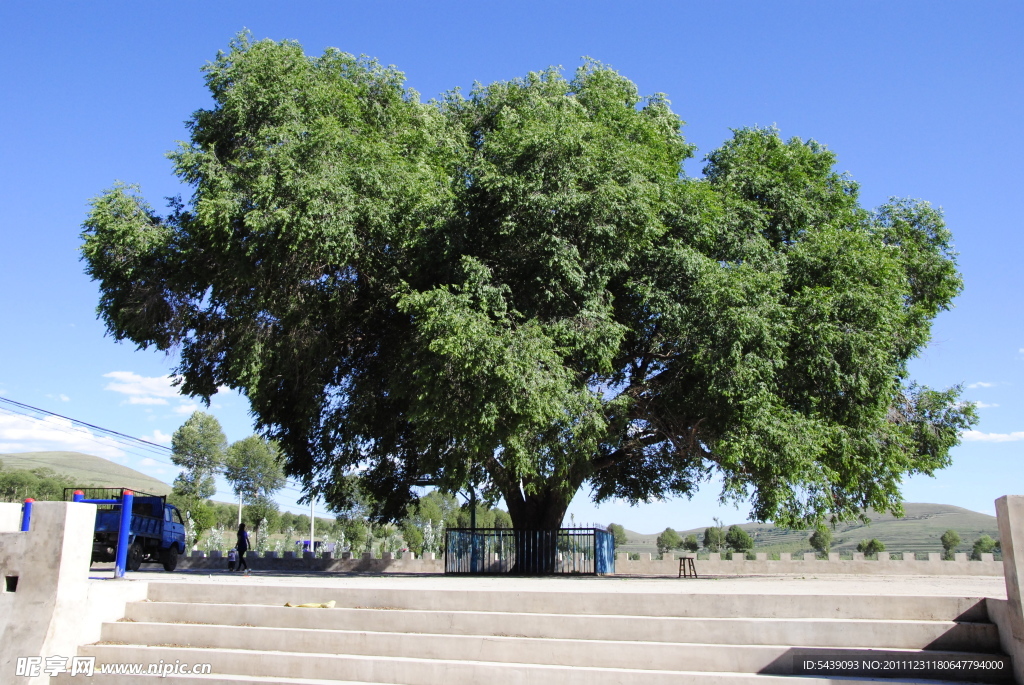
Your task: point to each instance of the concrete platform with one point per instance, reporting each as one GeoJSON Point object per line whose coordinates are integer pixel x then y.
{"type": "Point", "coordinates": [925, 586]}
{"type": "Point", "coordinates": [444, 630]}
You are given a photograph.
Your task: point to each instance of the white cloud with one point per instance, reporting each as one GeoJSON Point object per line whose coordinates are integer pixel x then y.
{"type": "Point", "coordinates": [136, 386]}
{"type": "Point", "coordinates": [146, 400]}
{"type": "Point", "coordinates": [982, 405]}
{"type": "Point", "coordinates": [978, 436]}
{"type": "Point", "coordinates": [28, 434]}
{"type": "Point", "coordinates": [148, 462]}
{"type": "Point", "coordinates": [981, 384]}
{"type": "Point", "coordinates": [158, 437]}
{"type": "Point", "coordinates": [186, 408]}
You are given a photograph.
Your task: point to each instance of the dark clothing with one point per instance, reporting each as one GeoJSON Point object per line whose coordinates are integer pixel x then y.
{"type": "Point", "coordinates": [243, 547]}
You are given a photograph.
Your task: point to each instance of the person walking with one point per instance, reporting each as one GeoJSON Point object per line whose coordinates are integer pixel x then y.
{"type": "Point", "coordinates": [242, 546]}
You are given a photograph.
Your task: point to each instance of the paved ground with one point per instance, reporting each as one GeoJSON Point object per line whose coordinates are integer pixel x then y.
{"type": "Point", "coordinates": [928, 586]}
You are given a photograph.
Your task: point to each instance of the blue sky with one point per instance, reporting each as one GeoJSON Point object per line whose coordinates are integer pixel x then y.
{"type": "Point", "coordinates": [918, 99]}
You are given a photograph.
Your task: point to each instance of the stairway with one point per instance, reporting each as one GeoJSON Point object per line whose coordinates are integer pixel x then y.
{"type": "Point", "coordinates": [456, 637]}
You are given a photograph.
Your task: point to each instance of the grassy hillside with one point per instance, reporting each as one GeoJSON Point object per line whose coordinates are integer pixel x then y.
{"type": "Point", "coordinates": [86, 469]}
{"type": "Point", "coordinates": [918, 531]}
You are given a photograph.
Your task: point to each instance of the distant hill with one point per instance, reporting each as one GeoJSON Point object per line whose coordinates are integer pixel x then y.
{"type": "Point", "coordinates": [918, 531]}
{"type": "Point", "coordinates": [86, 469]}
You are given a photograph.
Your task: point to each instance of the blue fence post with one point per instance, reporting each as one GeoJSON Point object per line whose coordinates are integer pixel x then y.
{"type": "Point", "coordinates": [127, 497]}
{"type": "Point", "coordinates": [26, 514]}
{"type": "Point", "coordinates": [78, 496]}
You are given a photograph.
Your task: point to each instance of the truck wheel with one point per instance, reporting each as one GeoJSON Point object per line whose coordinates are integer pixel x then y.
{"type": "Point", "coordinates": [134, 560]}
{"type": "Point", "coordinates": [169, 558]}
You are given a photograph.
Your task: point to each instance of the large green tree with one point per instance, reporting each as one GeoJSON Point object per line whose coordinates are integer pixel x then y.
{"type": "Point", "coordinates": [519, 289]}
{"type": "Point", "coordinates": [253, 467]}
{"type": "Point", "coordinates": [198, 448]}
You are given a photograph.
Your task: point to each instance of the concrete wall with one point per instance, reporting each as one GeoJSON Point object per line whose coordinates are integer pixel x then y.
{"type": "Point", "coordinates": [1009, 614]}
{"type": "Point", "coordinates": [10, 517]}
{"type": "Point", "coordinates": [645, 566]}
{"type": "Point", "coordinates": [716, 566]}
{"type": "Point", "coordinates": [54, 606]}
{"type": "Point", "coordinates": [327, 564]}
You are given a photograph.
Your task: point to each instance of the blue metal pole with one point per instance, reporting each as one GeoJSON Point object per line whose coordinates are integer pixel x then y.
{"type": "Point", "coordinates": [26, 514]}
{"type": "Point", "coordinates": [124, 532]}
{"type": "Point", "coordinates": [78, 496]}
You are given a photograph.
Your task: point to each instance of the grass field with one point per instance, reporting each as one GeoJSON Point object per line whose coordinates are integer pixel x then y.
{"type": "Point", "coordinates": [86, 469]}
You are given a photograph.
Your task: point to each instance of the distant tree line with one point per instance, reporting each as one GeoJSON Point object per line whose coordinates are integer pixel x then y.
{"type": "Point", "coordinates": [985, 544]}
{"type": "Point", "coordinates": [718, 538]}
{"type": "Point", "coordinates": [17, 485]}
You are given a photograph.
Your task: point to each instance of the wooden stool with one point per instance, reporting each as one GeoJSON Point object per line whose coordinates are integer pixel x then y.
{"type": "Point", "coordinates": [686, 567]}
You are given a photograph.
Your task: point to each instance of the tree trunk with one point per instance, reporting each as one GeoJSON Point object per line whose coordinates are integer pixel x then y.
{"type": "Point", "coordinates": [535, 521]}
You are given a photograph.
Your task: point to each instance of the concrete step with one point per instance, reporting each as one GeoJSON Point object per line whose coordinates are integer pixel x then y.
{"type": "Point", "coordinates": [207, 679]}
{"type": "Point", "coordinates": [589, 603]}
{"type": "Point", "coordinates": [973, 637]}
{"type": "Point", "coordinates": [416, 671]}
{"type": "Point", "coordinates": [634, 655]}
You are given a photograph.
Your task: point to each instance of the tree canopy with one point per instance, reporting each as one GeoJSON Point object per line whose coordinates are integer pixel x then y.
{"type": "Point", "coordinates": [253, 467]}
{"type": "Point", "coordinates": [198, 448]}
{"type": "Point", "coordinates": [872, 546]}
{"type": "Point", "coordinates": [950, 540]}
{"type": "Point", "coordinates": [520, 289]}
{"type": "Point", "coordinates": [821, 539]}
{"type": "Point", "coordinates": [668, 540]}
{"type": "Point", "coordinates": [738, 539]}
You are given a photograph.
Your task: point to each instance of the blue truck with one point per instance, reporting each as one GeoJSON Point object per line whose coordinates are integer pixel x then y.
{"type": "Point", "coordinates": [157, 532]}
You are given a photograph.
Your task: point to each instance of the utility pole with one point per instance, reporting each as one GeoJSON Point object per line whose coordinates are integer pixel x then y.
{"type": "Point", "coordinates": [239, 508]}
{"type": "Point", "coordinates": [311, 520]}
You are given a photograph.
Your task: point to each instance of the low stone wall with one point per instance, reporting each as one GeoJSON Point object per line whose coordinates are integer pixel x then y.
{"type": "Point", "coordinates": [809, 564]}
{"type": "Point", "coordinates": [645, 566]}
{"type": "Point", "coordinates": [48, 604]}
{"type": "Point", "coordinates": [308, 563]}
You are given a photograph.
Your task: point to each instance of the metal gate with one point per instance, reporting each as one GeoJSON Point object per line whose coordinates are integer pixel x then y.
{"type": "Point", "coordinates": [563, 551]}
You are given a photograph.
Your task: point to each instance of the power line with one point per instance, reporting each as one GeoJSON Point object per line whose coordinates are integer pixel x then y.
{"type": "Point", "coordinates": [121, 440]}
{"type": "Point", "coordinates": [90, 426]}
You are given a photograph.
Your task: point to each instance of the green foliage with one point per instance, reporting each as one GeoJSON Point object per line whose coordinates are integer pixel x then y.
{"type": "Point", "coordinates": [356, 532]}
{"type": "Point", "coordinates": [738, 539]}
{"type": "Point", "coordinates": [199, 517]}
{"type": "Point", "coordinates": [17, 485]}
{"type": "Point", "coordinates": [198, 447]}
{"type": "Point", "coordinates": [520, 289]}
{"type": "Point", "coordinates": [261, 516]}
{"type": "Point", "coordinates": [821, 539]}
{"type": "Point", "coordinates": [950, 540]}
{"type": "Point", "coordinates": [502, 519]}
{"type": "Point", "coordinates": [668, 540]}
{"type": "Point", "coordinates": [618, 533]}
{"type": "Point", "coordinates": [485, 516]}
{"type": "Point", "coordinates": [253, 467]}
{"type": "Point", "coordinates": [984, 545]}
{"type": "Point", "coordinates": [413, 536]}
{"type": "Point", "coordinates": [690, 543]}
{"type": "Point", "coordinates": [872, 546]}
{"type": "Point", "coordinates": [714, 539]}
